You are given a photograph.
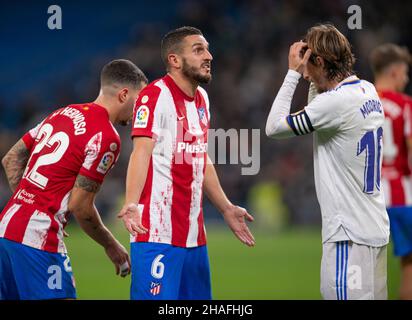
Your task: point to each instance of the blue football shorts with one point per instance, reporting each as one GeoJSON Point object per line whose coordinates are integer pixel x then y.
{"type": "Point", "coordinates": [165, 272]}
{"type": "Point", "coordinates": [401, 229]}
{"type": "Point", "coordinates": [30, 274]}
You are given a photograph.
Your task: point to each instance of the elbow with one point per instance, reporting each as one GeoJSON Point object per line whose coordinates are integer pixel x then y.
{"type": "Point", "coordinates": [270, 131]}
{"type": "Point", "coordinates": [81, 208]}
{"type": "Point", "coordinates": [5, 161]}
{"type": "Point", "coordinates": [80, 213]}
{"type": "Point", "coordinates": [73, 208]}
{"type": "Point", "coordinates": [277, 132]}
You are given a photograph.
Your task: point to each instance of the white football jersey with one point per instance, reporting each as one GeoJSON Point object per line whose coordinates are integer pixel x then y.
{"type": "Point", "coordinates": [347, 123]}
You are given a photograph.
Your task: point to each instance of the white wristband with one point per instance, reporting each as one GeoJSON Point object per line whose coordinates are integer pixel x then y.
{"type": "Point", "coordinates": [124, 269]}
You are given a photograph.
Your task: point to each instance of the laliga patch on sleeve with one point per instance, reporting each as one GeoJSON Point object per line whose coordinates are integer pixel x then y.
{"type": "Point", "coordinates": [142, 117]}
{"type": "Point", "coordinates": [106, 162]}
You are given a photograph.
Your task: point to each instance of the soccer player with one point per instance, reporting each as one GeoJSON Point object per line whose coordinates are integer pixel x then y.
{"type": "Point", "coordinates": [346, 118]}
{"type": "Point", "coordinates": [169, 170]}
{"type": "Point", "coordinates": [56, 169]}
{"type": "Point", "coordinates": [390, 65]}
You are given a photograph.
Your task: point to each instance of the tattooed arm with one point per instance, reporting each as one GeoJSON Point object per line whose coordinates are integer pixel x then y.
{"type": "Point", "coordinates": [81, 205]}
{"type": "Point", "coordinates": [14, 163]}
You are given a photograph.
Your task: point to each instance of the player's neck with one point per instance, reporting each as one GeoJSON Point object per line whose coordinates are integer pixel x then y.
{"type": "Point", "coordinates": [384, 84]}
{"type": "Point", "coordinates": [330, 85]}
{"type": "Point", "coordinates": [104, 103]}
{"type": "Point", "coordinates": [187, 86]}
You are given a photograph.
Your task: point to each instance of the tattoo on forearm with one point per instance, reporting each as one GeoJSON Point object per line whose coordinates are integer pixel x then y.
{"type": "Point", "coordinates": [15, 162]}
{"type": "Point", "coordinates": [87, 184]}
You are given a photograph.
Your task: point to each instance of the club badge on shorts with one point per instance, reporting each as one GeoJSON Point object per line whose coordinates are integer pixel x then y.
{"type": "Point", "coordinates": [155, 288]}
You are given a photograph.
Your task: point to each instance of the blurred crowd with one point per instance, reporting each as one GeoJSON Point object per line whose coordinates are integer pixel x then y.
{"type": "Point", "coordinates": [249, 41]}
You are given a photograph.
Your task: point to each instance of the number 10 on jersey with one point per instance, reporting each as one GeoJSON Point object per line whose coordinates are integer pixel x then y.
{"type": "Point", "coordinates": [371, 144]}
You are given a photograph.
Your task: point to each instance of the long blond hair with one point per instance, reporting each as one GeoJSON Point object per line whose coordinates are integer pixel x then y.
{"type": "Point", "coordinates": [329, 43]}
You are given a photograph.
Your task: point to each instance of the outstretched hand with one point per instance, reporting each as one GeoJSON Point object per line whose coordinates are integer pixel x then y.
{"type": "Point", "coordinates": [235, 218]}
{"type": "Point", "coordinates": [298, 62]}
{"type": "Point", "coordinates": [132, 219]}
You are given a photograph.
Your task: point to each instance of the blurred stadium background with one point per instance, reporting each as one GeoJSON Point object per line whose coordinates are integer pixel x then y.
{"type": "Point", "coordinates": [42, 70]}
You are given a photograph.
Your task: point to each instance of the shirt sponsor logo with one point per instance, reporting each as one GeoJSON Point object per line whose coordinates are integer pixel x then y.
{"type": "Point", "coordinates": [106, 162]}
{"type": "Point", "coordinates": [199, 147]}
{"type": "Point", "coordinates": [142, 117]}
{"type": "Point", "coordinates": [25, 196]}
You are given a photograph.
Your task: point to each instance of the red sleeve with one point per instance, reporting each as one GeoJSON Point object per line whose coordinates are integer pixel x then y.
{"type": "Point", "coordinates": [102, 152]}
{"type": "Point", "coordinates": [28, 140]}
{"type": "Point", "coordinates": [30, 136]}
{"type": "Point", "coordinates": [407, 118]}
{"type": "Point", "coordinates": [143, 116]}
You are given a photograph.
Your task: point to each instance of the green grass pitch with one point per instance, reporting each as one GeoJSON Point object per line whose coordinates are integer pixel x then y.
{"type": "Point", "coordinates": [281, 266]}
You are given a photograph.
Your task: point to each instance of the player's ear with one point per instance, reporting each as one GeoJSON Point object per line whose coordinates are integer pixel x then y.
{"type": "Point", "coordinates": [123, 95]}
{"type": "Point", "coordinates": [174, 61]}
{"type": "Point", "coordinates": [393, 70]}
{"type": "Point", "coordinates": [319, 61]}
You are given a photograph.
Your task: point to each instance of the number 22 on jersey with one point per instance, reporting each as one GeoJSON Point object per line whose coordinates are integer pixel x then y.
{"type": "Point", "coordinates": [46, 138]}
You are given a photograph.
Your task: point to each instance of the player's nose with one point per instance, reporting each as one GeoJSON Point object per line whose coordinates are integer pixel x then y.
{"type": "Point", "coordinates": [209, 56]}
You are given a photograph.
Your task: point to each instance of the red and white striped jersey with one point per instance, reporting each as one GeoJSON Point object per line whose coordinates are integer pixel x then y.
{"type": "Point", "coordinates": [77, 139]}
{"type": "Point", "coordinates": [396, 174]}
{"type": "Point", "coordinates": [171, 201]}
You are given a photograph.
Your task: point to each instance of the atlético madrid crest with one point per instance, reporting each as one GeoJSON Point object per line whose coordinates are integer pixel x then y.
{"type": "Point", "coordinates": [202, 115]}
{"type": "Point", "coordinates": [155, 288]}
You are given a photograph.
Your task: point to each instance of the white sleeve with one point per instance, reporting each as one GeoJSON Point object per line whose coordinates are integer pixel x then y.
{"type": "Point", "coordinates": [323, 112]}
{"type": "Point", "coordinates": [277, 125]}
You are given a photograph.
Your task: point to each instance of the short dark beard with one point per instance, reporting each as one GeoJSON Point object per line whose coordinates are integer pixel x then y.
{"type": "Point", "coordinates": [192, 73]}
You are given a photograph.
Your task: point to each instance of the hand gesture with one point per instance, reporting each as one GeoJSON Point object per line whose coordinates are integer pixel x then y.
{"type": "Point", "coordinates": [132, 219]}
{"type": "Point", "coordinates": [235, 218]}
{"type": "Point", "coordinates": [297, 61]}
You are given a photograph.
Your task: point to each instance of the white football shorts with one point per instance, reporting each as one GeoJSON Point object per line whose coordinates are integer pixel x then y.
{"type": "Point", "coordinates": [351, 271]}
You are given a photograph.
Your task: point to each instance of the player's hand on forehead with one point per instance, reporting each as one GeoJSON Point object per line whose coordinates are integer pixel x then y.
{"type": "Point", "coordinates": [297, 60]}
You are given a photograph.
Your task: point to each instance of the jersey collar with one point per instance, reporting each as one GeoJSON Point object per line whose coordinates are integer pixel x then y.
{"type": "Point", "coordinates": [172, 85]}
{"type": "Point", "coordinates": [99, 107]}
{"type": "Point", "coordinates": [348, 81]}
